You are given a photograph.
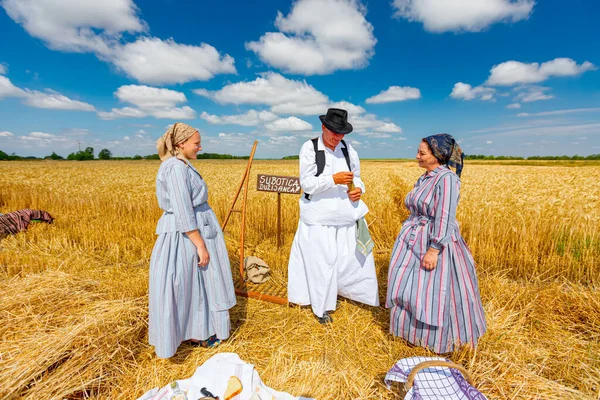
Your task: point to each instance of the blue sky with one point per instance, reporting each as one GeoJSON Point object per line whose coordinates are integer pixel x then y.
{"type": "Point", "coordinates": [504, 77]}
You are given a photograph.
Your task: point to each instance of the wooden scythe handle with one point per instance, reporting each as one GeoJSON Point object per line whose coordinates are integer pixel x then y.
{"type": "Point", "coordinates": [243, 232]}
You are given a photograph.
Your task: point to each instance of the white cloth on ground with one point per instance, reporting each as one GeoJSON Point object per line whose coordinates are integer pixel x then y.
{"type": "Point", "coordinates": [324, 262]}
{"type": "Point", "coordinates": [214, 374]}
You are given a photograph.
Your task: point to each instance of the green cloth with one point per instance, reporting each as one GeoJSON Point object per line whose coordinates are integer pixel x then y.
{"type": "Point", "coordinates": [364, 243]}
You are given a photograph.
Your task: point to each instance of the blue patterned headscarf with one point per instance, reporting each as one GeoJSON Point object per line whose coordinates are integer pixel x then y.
{"type": "Point", "coordinates": [446, 150]}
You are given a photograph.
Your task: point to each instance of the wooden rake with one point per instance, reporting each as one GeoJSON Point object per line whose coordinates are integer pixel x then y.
{"type": "Point", "coordinates": [266, 292]}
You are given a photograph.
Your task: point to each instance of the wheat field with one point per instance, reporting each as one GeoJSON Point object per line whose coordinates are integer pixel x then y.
{"type": "Point", "coordinates": [73, 304]}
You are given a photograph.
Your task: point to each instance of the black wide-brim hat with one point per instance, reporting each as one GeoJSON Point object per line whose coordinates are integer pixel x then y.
{"type": "Point", "coordinates": [336, 120]}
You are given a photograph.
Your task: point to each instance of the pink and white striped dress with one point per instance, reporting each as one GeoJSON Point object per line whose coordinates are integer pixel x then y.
{"type": "Point", "coordinates": [439, 309]}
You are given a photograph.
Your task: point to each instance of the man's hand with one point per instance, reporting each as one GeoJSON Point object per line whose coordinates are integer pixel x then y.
{"type": "Point", "coordinates": [355, 194]}
{"type": "Point", "coordinates": [343, 178]}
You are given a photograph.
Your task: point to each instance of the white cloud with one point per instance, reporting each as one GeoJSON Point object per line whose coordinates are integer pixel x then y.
{"type": "Point", "coordinates": [395, 93]}
{"type": "Point", "coordinates": [513, 106]}
{"type": "Point", "coordinates": [533, 93]}
{"type": "Point", "coordinates": [125, 112]}
{"type": "Point", "coordinates": [231, 141]}
{"type": "Point", "coordinates": [184, 112]}
{"type": "Point", "coordinates": [284, 96]}
{"type": "Point", "coordinates": [290, 124]}
{"type": "Point", "coordinates": [363, 124]}
{"type": "Point", "coordinates": [547, 129]}
{"type": "Point", "coordinates": [98, 27]}
{"type": "Point", "coordinates": [41, 135]}
{"type": "Point", "coordinates": [282, 140]}
{"type": "Point", "coordinates": [6, 134]}
{"type": "Point", "coordinates": [76, 132]}
{"type": "Point", "coordinates": [300, 108]}
{"type": "Point", "coordinates": [42, 138]}
{"type": "Point", "coordinates": [3, 69]}
{"type": "Point", "coordinates": [48, 99]}
{"type": "Point", "coordinates": [269, 88]}
{"type": "Point", "coordinates": [376, 135]}
{"type": "Point", "coordinates": [559, 112]}
{"type": "Point", "coordinates": [251, 118]}
{"type": "Point", "coordinates": [388, 127]}
{"type": "Point", "coordinates": [156, 61]}
{"type": "Point", "coordinates": [55, 101]}
{"type": "Point", "coordinates": [7, 89]}
{"type": "Point", "coordinates": [462, 15]}
{"type": "Point", "coordinates": [351, 108]}
{"type": "Point", "coordinates": [318, 37]}
{"type": "Point", "coordinates": [488, 142]}
{"type": "Point", "coordinates": [73, 25]}
{"type": "Point", "coordinates": [231, 135]}
{"type": "Point", "coordinates": [146, 96]}
{"type": "Point", "coordinates": [213, 119]}
{"type": "Point", "coordinates": [149, 101]}
{"type": "Point", "coordinates": [514, 72]}
{"type": "Point", "coordinates": [465, 91]}
{"type": "Point", "coordinates": [355, 143]}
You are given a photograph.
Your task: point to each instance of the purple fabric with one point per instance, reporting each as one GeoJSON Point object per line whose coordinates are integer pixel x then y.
{"type": "Point", "coordinates": [469, 391]}
{"type": "Point", "coordinates": [434, 382]}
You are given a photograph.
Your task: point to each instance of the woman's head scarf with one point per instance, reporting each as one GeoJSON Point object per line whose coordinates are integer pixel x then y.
{"type": "Point", "coordinates": [446, 150]}
{"type": "Point", "coordinates": [176, 134]}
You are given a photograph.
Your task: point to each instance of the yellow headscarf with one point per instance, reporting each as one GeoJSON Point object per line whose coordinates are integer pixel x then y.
{"type": "Point", "coordinates": [176, 134]}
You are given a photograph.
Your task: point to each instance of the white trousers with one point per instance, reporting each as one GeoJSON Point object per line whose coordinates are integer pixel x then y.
{"type": "Point", "coordinates": [324, 263]}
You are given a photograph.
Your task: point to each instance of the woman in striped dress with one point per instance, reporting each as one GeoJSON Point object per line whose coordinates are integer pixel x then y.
{"type": "Point", "coordinates": [432, 293]}
{"type": "Point", "coordinates": [191, 289]}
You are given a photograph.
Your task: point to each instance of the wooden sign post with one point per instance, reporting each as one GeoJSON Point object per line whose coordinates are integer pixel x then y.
{"type": "Point", "coordinates": [278, 184]}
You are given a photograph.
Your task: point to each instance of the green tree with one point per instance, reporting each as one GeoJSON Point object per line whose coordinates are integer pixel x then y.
{"type": "Point", "coordinates": [87, 154]}
{"type": "Point", "coordinates": [3, 155]}
{"type": "Point", "coordinates": [55, 156]}
{"type": "Point", "coordinates": [105, 154]}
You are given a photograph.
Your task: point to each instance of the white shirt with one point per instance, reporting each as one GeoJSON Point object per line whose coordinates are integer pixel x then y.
{"type": "Point", "coordinates": [329, 203]}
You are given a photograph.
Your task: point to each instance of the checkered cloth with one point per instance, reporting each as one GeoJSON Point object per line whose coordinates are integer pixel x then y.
{"type": "Point", "coordinates": [17, 221]}
{"type": "Point", "coordinates": [434, 383]}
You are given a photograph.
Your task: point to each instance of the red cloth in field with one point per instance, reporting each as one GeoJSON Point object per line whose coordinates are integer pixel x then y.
{"type": "Point", "coordinates": [17, 221]}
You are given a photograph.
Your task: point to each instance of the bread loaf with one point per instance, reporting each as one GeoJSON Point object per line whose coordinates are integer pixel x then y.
{"type": "Point", "coordinates": [234, 387]}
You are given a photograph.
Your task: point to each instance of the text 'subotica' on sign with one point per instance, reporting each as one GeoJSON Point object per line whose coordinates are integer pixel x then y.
{"type": "Point", "coordinates": [279, 184]}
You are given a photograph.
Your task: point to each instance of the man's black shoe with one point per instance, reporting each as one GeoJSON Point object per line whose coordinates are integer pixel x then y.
{"type": "Point", "coordinates": [325, 319]}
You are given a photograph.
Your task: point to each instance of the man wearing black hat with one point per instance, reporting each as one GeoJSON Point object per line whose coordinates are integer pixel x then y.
{"type": "Point", "coordinates": [325, 261]}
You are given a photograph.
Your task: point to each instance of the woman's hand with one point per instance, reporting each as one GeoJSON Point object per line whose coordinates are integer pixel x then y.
{"type": "Point", "coordinates": [430, 260]}
{"type": "Point", "coordinates": [203, 257]}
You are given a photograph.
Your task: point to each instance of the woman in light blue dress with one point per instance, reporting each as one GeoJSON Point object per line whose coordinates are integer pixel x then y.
{"type": "Point", "coordinates": [191, 289]}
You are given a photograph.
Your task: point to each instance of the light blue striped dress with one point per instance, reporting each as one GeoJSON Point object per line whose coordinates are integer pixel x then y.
{"type": "Point", "coordinates": [439, 309]}
{"type": "Point", "coordinates": [186, 301]}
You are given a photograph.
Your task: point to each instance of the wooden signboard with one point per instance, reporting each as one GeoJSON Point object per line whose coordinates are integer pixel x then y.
{"type": "Point", "coordinates": [278, 184]}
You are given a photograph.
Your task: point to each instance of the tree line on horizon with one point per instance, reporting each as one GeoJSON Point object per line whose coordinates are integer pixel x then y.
{"type": "Point", "coordinates": [105, 154]}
